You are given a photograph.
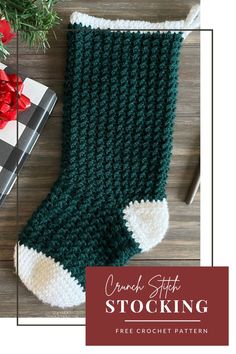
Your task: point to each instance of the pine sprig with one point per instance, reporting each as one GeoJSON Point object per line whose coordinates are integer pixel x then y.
{"type": "Point", "coordinates": [33, 19]}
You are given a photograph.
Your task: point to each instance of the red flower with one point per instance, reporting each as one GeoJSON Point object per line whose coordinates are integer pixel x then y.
{"type": "Point", "coordinates": [12, 99]}
{"type": "Point", "coordinates": [5, 30]}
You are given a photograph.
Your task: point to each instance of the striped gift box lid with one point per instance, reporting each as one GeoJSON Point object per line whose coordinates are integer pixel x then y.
{"type": "Point", "coordinates": [13, 151]}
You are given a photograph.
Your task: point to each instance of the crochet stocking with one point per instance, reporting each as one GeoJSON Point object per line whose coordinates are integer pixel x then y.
{"type": "Point", "coordinates": [109, 201]}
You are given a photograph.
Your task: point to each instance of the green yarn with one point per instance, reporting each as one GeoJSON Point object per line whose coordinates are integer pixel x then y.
{"type": "Point", "coordinates": [119, 108]}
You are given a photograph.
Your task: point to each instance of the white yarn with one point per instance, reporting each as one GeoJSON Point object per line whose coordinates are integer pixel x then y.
{"type": "Point", "coordinates": [47, 279]}
{"type": "Point", "coordinates": [192, 21]}
{"type": "Point", "coordinates": [193, 18]}
{"type": "Point", "coordinates": [148, 222]}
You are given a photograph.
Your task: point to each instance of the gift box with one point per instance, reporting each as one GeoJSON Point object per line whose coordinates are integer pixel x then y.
{"type": "Point", "coordinates": [27, 127]}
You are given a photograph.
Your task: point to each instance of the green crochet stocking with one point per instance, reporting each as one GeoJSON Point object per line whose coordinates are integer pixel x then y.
{"type": "Point", "coordinates": [109, 201]}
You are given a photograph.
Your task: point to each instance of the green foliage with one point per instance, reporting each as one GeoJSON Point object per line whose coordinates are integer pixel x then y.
{"type": "Point", "coordinates": [33, 19]}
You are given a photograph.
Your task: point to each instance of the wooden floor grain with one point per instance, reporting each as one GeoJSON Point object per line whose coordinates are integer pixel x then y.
{"type": "Point", "coordinates": [182, 243]}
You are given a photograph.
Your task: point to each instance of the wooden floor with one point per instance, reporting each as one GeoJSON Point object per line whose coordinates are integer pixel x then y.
{"type": "Point", "coordinates": [181, 245]}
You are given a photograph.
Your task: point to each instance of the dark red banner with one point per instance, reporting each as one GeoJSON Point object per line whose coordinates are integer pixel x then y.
{"type": "Point", "coordinates": [157, 306]}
